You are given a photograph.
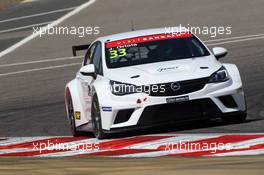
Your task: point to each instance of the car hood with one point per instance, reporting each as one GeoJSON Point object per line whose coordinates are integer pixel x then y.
{"type": "Point", "coordinates": [162, 72]}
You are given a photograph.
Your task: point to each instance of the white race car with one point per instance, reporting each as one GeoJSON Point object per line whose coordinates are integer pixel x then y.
{"type": "Point", "coordinates": [149, 77]}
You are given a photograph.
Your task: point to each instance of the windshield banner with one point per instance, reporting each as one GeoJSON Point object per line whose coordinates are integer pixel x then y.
{"type": "Point", "coordinates": [148, 38]}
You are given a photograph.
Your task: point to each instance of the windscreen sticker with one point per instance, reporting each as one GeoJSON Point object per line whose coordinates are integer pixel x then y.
{"type": "Point", "coordinates": [117, 53]}
{"type": "Point", "coordinates": [148, 38]}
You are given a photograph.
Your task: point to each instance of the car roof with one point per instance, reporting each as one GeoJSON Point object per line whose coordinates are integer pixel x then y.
{"type": "Point", "coordinates": [137, 33]}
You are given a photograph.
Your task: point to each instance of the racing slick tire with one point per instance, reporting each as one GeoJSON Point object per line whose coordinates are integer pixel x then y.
{"type": "Point", "coordinates": [70, 112]}
{"type": "Point", "coordinates": [96, 119]}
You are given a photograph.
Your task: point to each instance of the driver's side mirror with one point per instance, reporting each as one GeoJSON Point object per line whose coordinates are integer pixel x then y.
{"type": "Point", "coordinates": [219, 52]}
{"type": "Point", "coordinates": [88, 70]}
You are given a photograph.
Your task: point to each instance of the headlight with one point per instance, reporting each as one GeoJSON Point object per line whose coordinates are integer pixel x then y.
{"type": "Point", "coordinates": [219, 76]}
{"type": "Point", "coordinates": [119, 88]}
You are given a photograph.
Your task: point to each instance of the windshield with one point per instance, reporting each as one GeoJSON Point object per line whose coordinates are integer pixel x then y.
{"type": "Point", "coordinates": [152, 49]}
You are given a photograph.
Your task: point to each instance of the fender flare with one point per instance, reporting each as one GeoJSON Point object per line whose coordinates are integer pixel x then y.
{"type": "Point", "coordinates": [73, 89]}
{"type": "Point", "coordinates": [233, 72]}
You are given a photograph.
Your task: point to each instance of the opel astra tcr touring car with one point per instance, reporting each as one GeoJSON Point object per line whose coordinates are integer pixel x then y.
{"type": "Point", "coordinates": [149, 77]}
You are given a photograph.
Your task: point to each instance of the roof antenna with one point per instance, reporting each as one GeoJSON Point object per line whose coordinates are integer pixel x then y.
{"type": "Point", "coordinates": [132, 25]}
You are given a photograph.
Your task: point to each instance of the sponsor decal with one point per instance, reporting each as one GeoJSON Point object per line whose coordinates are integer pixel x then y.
{"type": "Point", "coordinates": [177, 99]}
{"type": "Point", "coordinates": [107, 109]}
{"type": "Point", "coordinates": [166, 68]}
{"type": "Point", "coordinates": [147, 38]}
{"type": "Point", "coordinates": [77, 115]}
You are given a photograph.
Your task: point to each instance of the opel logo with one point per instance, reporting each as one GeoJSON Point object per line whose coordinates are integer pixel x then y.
{"type": "Point", "coordinates": [175, 86]}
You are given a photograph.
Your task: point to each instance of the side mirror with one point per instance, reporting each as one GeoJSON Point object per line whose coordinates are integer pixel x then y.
{"type": "Point", "coordinates": [219, 52]}
{"type": "Point", "coordinates": [88, 70]}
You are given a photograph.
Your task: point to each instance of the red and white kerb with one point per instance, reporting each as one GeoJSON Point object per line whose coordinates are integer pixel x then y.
{"type": "Point", "coordinates": [148, 38]}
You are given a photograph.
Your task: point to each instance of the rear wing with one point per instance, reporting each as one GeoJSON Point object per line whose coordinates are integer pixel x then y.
{"type": "Point", "coordinates": [79, 48]}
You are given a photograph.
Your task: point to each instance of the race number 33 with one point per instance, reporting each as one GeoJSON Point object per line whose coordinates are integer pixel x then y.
{"type": "Point", "coordinates": [117, 53]}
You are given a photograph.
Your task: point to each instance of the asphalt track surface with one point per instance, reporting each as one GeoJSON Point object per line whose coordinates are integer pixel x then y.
{"type": "Point", "coordinates": [32, 94]}
{"type": "Point", "coordinates": [13, 29]}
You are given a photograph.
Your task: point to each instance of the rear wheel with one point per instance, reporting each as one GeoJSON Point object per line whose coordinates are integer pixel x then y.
{"type": "Point", "coordinates": [70, 110]}
{"type": "Point", "coordinates": [96, 118]}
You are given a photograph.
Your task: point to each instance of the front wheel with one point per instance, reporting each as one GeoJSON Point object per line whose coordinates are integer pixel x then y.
{"type": "Point", "coordinates": [96, 118]}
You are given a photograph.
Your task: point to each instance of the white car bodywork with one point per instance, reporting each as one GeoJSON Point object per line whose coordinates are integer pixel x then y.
{"type": "Point", "coordinates": [82, 88]}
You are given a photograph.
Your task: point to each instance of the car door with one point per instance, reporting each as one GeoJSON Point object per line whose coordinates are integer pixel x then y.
{"type": "Point", "coordinates": [85, 82]}
{"type": "Point", "coordinates": [95, 59]}
{"type": "Point", "coordinates": [93, 56]}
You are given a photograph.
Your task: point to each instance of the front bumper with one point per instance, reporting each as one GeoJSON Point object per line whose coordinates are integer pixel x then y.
{"type": "Point", "coordinates": [212, 101]}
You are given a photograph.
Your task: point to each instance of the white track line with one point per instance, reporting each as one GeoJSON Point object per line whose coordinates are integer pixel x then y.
{"type": "Point", "coordinates": [28, 1]}
{"type": "Point", "coordinates": [44, 29]}
{"type": "Point", "coordinates": [41, 61]}
{"type": "Point", "coordinates": [67, 58]}
{"type": "Point", "coordinates": [24, 27]}
{"type": "Point", "coordinates": [235, 41]}
{"type": "Point", "coordinates": [37, 14]}
{"type": "Point", "coordinates": [236, 37]}
{"type": "Point", "coordinates": [39, 69]}
{"type": "Point", "coordinates": [74, 64]}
